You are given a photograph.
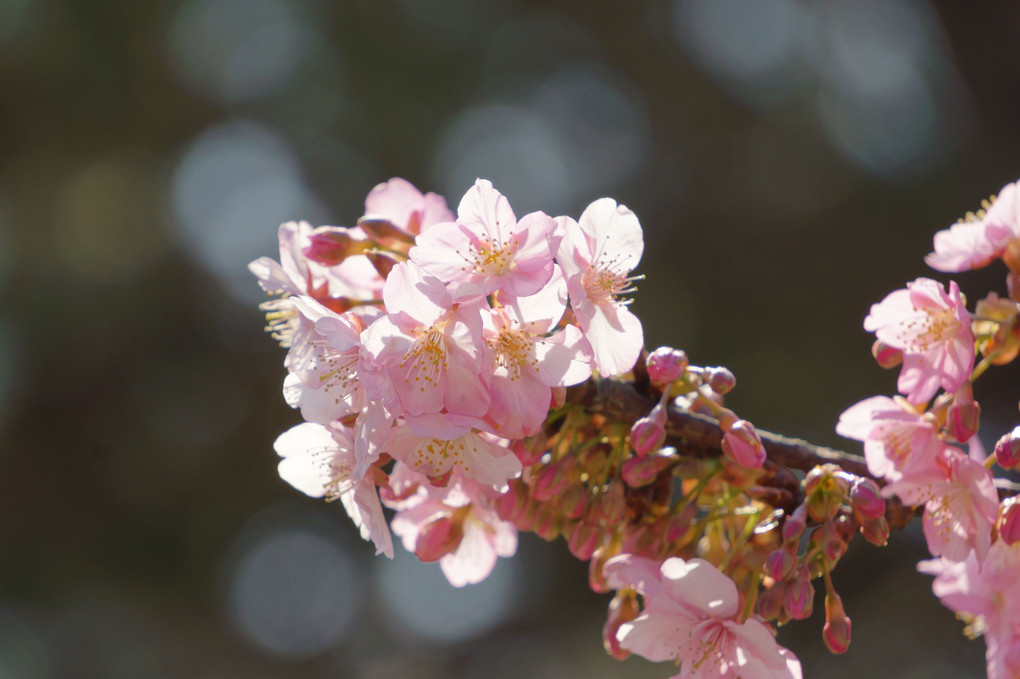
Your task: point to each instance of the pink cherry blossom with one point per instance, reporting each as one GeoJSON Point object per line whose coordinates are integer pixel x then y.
{"type": "Point", "coordinates": [597, 254]}
{"type": "Point", "coordinates": [960, 515]}
{"type": "Point", "coordinates": [323, 363]}
{"type": "Point", "coordinates": [487, 248]}
{"type": "Point", "coordinates": [898, 439]}
{"type": "Point", "coordinates": [523, 363]}
{"type": "Point", "coordinates": [691, 615]}
{"type": "Point", "coordinates": [983, 237]}
{"type": "Point", "coordinates": [320, 461]}
{"type": "Point", "coordinates": [424, 355]}
{"type": "Point", "coordinates": [986, 592]}
{"type": "Point", "coordinates": [436, 444]}
{"type": "Point", "coordinates": [404, 206]}
{"type": "Point", "coordinates": [466, 511]}
{"type": "Point", "coordinates": [932, 328]}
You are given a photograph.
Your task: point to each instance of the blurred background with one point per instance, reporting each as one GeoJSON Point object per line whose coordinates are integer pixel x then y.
{"type": "Point", "coordinates": [789, 162]}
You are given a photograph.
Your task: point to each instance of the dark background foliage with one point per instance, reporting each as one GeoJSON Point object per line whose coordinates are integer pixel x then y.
{"type": "Point", "coordinates": [789, 161]}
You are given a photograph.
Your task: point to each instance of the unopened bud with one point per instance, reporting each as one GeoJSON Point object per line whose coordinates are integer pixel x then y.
{"type": "Point", "coordinates": [622, 609]}
{"type": "Point", "coordinates": [328, 245]}
{"type": "Point", "coordinates": [572, 501]}
{"type": "Point", "coordinates": [648, 433]}
{"type": "Point", "coordinates": [512, 503]}
{"type": "Point", "coordinates": [836, 631]}
{"type": "Point", "coordinates": [770, 601]}
{"type": "Point", "coordinates": [886, 356]}
{"type": "Point", "coordinates": [680, 523]}
{"type": "Point", "coordinates": [613, 504]}
{"type": "Point", "coordinates": [1008, 524]}
{"type": "Point", "coordinates": [640, 471]}
{"type": "Point", "coordinates": [780, 563]}
{"type": "Point", "coordinates": [721, 380]}
{"type": "Point", "coordinates": [964, 415]}
{"type": "Point", "coordinates": [438, 538]}
{"type": "Point", "coordinates": [547, 523]}
{"type": "Point", "coordinates": [800, 594]}
{"type": "Point", "coordinates": [795, 524]}
{"type": "Point", "coordinates": [596, 573]}
{"type": "Point", "coordinates": [867, 499]}
{"type": "Point", "coordinates": [583, 540]}
{"type": "Point", "coordinates": [550, 482]}
{"type": "Point", "coordinates": [742, 445]}
{"type": "Point", "coordinates": [1007, 450]}
{"type": "Point", "coordinates": [875, 531]}
{"type": "Point", "coordinates": [666, 365]}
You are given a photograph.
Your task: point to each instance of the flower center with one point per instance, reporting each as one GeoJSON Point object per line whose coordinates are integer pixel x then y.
{"type": "Point", "coordinates": [426, 359]}
{"type": "Point", "coordinates": [281, 320]}
{"type": "Point", "coordinates": [494, 259]}
{"type": "Point", "coordinates": [512, 351]}
{"type": "Point", "coordinates": [936, 327]}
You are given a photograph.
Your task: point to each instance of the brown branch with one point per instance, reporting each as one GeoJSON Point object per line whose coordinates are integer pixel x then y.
{"type": "Point", "coordinates": [699, 436]}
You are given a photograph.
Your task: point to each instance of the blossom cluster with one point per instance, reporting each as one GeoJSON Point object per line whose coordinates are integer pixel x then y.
{"type": "Point", "coordinates": [430, 354]}
{"type": "Point", "coordinates": [924, 444]}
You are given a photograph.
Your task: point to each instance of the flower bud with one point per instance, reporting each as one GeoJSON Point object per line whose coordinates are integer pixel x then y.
{"type": "Point", "coordinates": [742, 445]}
{"type": "Point", "coordinates": [836, 631]}
{"type": "Point", "coordinates": [547, 523]}
{"type": "Point", "coordinates": [328, 245]}
{"type": "Point", "coordinates": [1008, 524]}
{"type": "Point", "coordinates": [638, 472]}
{"type": "Point", "coordinates": [721, 380]}
{"type": "Point", "coordinates": [550, 482]}
{"type": "Point", "coordinates": [800, 594]}
{"type": "Point", "coordinates": [613, 503]}
{"type": "Point", "coordinates": [867, 499]}
{"type": "Point", "coordinates": [648, 433]}
{"type": "Point", "coordinates": [512, 503]}
{"type": "Point", "coordinates": [1007, 450]}
{"type": "Point", "coordinates": [795, 524]}
{"type": "Point", "coordinates": [438, 538]}
{"type": "Point", "coordinates": [780, 563]}
{"type": "Point", "coordinates": [886, 356]}
{"type": "Point", "coordinates": [622, 609]}
{"type": "Point", "coordinates": [964, 415]}
{"type": "Point", "coordinates": [680, 522]}
{"type": "Point", "coordinates": [572, 501]}
{"type": "Point", "coordinates": [583, 540]}
{"type": "Point", "coordinates": [770, 602]}
{"type": "Point", "coordinates": [666, 365]}
{"type": "Point", "coordinates": [596, 575]}
{"type": "Point", "coordinates": [875, 531]}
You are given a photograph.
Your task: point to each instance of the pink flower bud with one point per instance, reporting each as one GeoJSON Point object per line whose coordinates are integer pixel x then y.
{"type": "Point", "coordinates": [720, 380]}
{"type": "Point", "coordinates": [964, 415]}
{"type": "Point", "coordinates": [550, 482]}
{"type": "Point", "coordinates": [780, 563]}
{"type": "Point", "coordinates": [648, 434]}
{"type": "Point", "coordinates": [885, 355]}
{"type": "Point", "coordinates": [1008, 524]}
{"type": "Point", "coordinates": [1007, 450]}
{"type": "Point", "coordinates": [438, 538]}
{"type": "Point", "coordinates": [742, 445]}
{"type": "Point", "coordinates": [800, 595]}
{"type": "Point", "coordinates": [613, 504]}
{"type": "Point", "coordinates": [547, 523]}
{"type": "Point", "coordinates": [795, 524]}
{"type": "Point", "coordinates": [875, 531]}
{"type": "Point", "coordinates": [666, 365]}
{"type": "Point", "coordinates": [512, 503]}
{"type": "Point", "coordinates": [867, 498]}
{"type": "Point", "coordinates": [572, 501]}
{"type": "Point", "coordinates": [680, 522]}
{"type": "Point", "coordinates": [836, 631]}
{"type": "Point", "coordinates": [527, 454]}
{"type": "Point", "coordinates": [638, 472]}
{"type": "Point", "coordinates": [329, 246]}
{"type": "Point", "coordinates": [770, 602]}
{"type": "Point", "coordinates": [583, 540]}
{"type": "Point", "coordinates": [623, 608]}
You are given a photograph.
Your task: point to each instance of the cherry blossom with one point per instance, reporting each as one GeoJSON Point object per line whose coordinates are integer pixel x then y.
{"type": "Point", "coordinates": [981, 238]}
{"type": "Point", "coordinates": [320, 461]}
{"type": "Point", "coordinates": [404, 206]}
{"type": "Point", "coordinates": [424, 355]}
{"type": "Point", "coordinates": [597, 254]}
{"type": "Point", "coordinates": [898, 438]}
{"type": "Point", "coordinates": [932, 328]}
{"type": "Point", "coordinates": [488, 249]}
{"type": "Point", "coordinates": [456, 525]}
{"type": "Point", "coordinates": [691, 616]}
{"type": "Point", "coordinates": [523, 363]}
